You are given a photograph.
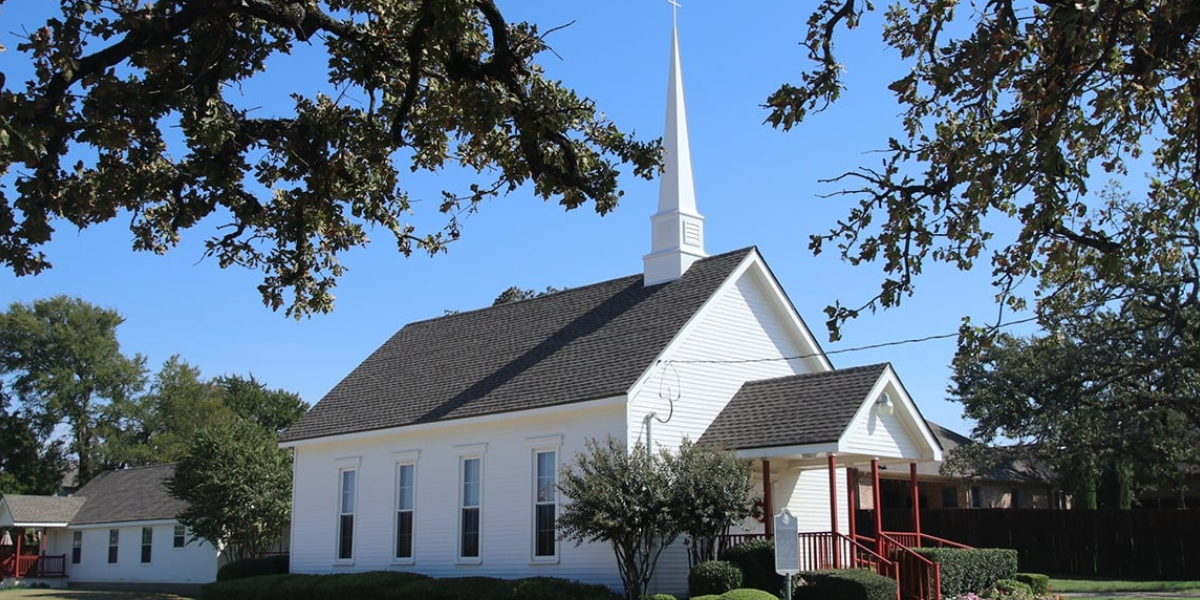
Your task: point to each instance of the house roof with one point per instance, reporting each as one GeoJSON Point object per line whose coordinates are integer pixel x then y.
{"type": "Point", "coordinates": [41, 510]}
{"type": "Point", "coordinates": [797, 410]}
{"type": "Point", "coordinates": [582, 344]}
{"type": "Point", "coordinates": [999, 467]}
{"type": "Point", "coordinates": [138, 494]}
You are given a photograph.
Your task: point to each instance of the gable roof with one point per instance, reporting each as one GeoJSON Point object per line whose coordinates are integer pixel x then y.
{"type": "Point", "coordinates": [1002, 465]}
{"type": "Point", "coordinates": [138, 494]}
{"type": "Point", "coordinates": [796, 410]}
{"type": "Point", "coordinates": [32, 511]}
{"type": "Point", "coordinates": [582, 344]}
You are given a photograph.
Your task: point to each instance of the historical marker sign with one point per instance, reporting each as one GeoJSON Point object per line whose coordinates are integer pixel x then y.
{"type": "Point", "coordinates": [787, 543]}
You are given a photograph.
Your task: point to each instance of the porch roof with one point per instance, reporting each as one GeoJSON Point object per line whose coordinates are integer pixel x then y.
{"type": "Point", "coordinates": [19, 510]}
{"type": "Point", "coordinates": [799, 410]}
{"type": "Point", "coordinates": [808, 417]}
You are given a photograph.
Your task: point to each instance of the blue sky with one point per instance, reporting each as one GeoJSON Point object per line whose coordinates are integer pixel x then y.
{"type": "Point", "coordinates": [755, 186]}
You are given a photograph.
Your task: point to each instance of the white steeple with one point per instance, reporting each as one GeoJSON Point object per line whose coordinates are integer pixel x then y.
{"type": "Point", "coordinates": [677, 229]}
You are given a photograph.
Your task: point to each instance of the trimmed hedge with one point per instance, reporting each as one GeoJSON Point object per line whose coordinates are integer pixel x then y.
{"type": "Point", "coordinates": [393, 585]}
{"type": "Point", "coordinates": [845, 584]}
{"type": "Point", "coordinates": [967, 570]}
{"type": "Point", "coordinates": [253, 567]}
{"type": "Point", "coordinates": [1038, 583]}
{"type": "Point", "coordinates": [708, 597]}
{"type": "Point", "coordinates": [714, 577]}
{"type": "Point", "coordinates": [662, 597]}
{"type": "Point", "coordinates": [553, 588]}
{"type": "Point", "coordinates": [747, 594]}
{"type": "Point", "coordinates": [756, 559]}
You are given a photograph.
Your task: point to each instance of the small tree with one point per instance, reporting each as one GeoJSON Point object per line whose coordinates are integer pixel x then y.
{"type": "Point", "coordinates": [640, 502]}
{"type": "Point", "coordinates": [710, 488]}
{"type": "Point", "coordinates": [238, 485]}
{"type": "Point", "coordinates": [623, 498]}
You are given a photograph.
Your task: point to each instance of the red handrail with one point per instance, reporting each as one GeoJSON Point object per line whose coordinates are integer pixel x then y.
{"type": "Point", "coordinates": [918, 577]}
{"type": "Point", "coordinates": [918, 540]}
{"type": "Point", "coordinates": [35, 566]}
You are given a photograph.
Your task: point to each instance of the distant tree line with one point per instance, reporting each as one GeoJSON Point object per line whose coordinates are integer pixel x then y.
{"type": "Point", "coordinates": [71, 399]}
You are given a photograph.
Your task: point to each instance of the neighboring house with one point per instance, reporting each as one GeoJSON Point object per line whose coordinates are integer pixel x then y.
{"type": "Point", "coordinates": [1008, 484]}
{"type": "Point", "coordinates": [119, 528]}
{"type": "Point", "coordinates": [441, 451]}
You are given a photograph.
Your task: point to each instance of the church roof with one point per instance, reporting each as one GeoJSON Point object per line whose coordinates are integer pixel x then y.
{"type": "Point", "coordinates": [138, 494]}
{"type": "Point", "coordinates": [797, 410]}
{"type": "Point", "coordinates": [582, 344]}
{"type": "Point", "coordinates": [29, 511]}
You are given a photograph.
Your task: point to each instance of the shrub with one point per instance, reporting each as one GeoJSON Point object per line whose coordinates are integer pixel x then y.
{"type": "Point", "coordinates": [552, 588]}
{"type": "Point", "coordinates": [1038, 583]}
{"type": "Point", "coordinates": [708, 597]}
{"type": "Point", "coordinates": [747, 594]}
{"type": "Point", "coordinates": [661, 597]}
{"type": "Point", "coordinates": [756, 559]}
{"type": "Point", "coordinates": [1009, 586]}
{"type": "Point", "coordinates": [714, 577]}
{"type": "Point", "coordinates": [845, 584]}
{"type": "Point", "coordinates": [971, 569]}
{"type": "Point", "coordinates": [452, 588]}
{"type": "Point", "coordinates": [253, 567]}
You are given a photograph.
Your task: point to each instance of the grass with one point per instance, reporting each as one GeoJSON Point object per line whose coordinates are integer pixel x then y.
{"type": "Point", "coordinates": [44, 594]}
{"type": "Point", "coordinates": [1117, 586]}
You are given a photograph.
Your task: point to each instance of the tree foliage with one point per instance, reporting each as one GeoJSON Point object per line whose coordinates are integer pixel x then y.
{"type": "Point", "coordinates": [158, 426]}
{"type": "Point", "coordinates": [237, 484]}
{"type": "Point", "coordinates": [1069, 402]}
{"type": "Point", "coordinates": [1018, 110]}
{"type": "Point", "coordinates": [621, 497]}
{"type": "Point", "coordinates": [249, 398]}
{"type": "Point", "coordinates": [710, 491]}
{"type": "Point", "coordinates": [29, 464]}
{"type": "Point", "coordinates": [134, 107]}
{"type": "Point", "coordinates": [640, 502]}
{"type": "Point", "coordinates": [63, 364]}
{"type": "Point", "coordinates": [516, 294]}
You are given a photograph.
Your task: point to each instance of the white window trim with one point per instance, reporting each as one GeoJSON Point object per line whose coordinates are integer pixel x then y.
{"type": "Point", "coordinates": [467, 452]}
{"type": "Point", "coordinates": [549, 443]}
{"type": "Point", "coordinates": [142, 544]}
{"type": "Point", "coordinates": [109, 544]}
{"type": "Point", "coordinates": [402, 458]}
{"type": "Point", "coordinates": [349, 463]}
{"type": "Point", "coordinates": [185, 539]}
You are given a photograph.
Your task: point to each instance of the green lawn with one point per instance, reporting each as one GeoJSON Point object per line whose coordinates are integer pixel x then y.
{"type": "Point", "coordinates": [85, 595]}
{"type": "Point", "coordinates": [1116, 586]}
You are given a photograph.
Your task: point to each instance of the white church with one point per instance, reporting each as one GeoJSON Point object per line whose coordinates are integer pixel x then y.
{"type": "Point", "coordinates": [440, 452]}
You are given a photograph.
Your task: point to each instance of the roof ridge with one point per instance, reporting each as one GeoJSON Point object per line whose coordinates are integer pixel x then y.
{"type": "Point", "coordinates": [561, 293]}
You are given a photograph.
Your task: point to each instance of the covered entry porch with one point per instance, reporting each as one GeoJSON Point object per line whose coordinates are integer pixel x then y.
{"type": "Point", "coordinates": [32, 528]}
{"type": "Point", "coordinates": [812, 439]}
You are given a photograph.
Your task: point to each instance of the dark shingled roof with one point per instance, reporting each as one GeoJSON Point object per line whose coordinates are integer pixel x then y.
{"type": "Point", "coordinates": [29, 510]}
{"type": "Point", "coordinates": [129, 495]}
{"type": "Point", "coordinates": [813, 408]}
{"type": "Point", "coordinates": [583, 344]}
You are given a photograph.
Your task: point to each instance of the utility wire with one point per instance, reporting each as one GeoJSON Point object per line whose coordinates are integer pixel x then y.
{"type": "Point", "coordinates": [843, 350]}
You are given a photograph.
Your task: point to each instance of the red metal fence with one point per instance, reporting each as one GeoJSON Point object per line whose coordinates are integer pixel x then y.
{"type": "Point", "coordinates": [1126, 544]}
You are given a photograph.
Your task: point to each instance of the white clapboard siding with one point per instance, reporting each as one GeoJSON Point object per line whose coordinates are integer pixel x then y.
{"type": "Point", "coordinates": [193, 564]}
{"type": "Point", "coordinates": [506, 444]}
{"type": "Point", "coordinates": [747, 319]}
{"type": "Point", "coordinates": [874, 433]}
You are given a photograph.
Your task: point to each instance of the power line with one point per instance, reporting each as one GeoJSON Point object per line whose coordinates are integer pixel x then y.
{"type": "Point", "coordinates": [844, 350]}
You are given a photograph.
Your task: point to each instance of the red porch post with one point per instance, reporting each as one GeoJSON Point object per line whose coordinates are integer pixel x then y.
{"type": "Point", "coordinates": [852, 499]}
{"type": "Point", "coordinates": [769, 523]}
{"type": "Point", "coordinates": [916, 500]}
{"type": "Point", "coordinates": [17, 557]}
{"type": "Point", "coordinates": [878, 508]}
{"type": "Point", "coordinates": [833, 516]}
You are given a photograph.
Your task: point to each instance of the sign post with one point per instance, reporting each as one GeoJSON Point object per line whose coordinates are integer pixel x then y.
{"type": "Point", "coordinates": [787, 548]}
